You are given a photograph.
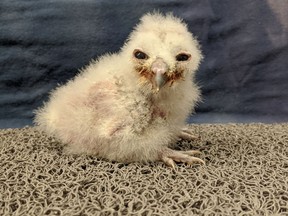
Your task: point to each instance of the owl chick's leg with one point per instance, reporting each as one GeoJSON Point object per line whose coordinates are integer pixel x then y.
{"type": "Point", "coordinates": [187, 134]}
{"type": "Point", "coordinates": [168, 156]}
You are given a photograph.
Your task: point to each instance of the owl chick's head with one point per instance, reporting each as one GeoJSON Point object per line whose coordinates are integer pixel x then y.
{"type": "Point", "coordinates": [162, 50]}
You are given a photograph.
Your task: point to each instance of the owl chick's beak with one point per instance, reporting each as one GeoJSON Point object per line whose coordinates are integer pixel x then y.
{"type": "Point", "coordinates": [159, 69]}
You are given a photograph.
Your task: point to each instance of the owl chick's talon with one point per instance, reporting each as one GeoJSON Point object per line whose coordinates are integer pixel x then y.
{"type": "Point", "coordinates": [191, 152]}
{"type": "Point", "coordinates": [169, 162]}
{"type": "Point", "coordinates": [187, 134]}
{"type": "Point", "coordinates": [168, 156]}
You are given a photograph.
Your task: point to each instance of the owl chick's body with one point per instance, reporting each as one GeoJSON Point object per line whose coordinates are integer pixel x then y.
{"type": "Point", "coordinates": [132, 105]}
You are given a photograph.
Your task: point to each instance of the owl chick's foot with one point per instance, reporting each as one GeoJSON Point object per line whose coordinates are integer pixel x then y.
{"type": "Point", "coordinates": [168, 156]}
{"type": "Point", "coordinates": [187, 134]}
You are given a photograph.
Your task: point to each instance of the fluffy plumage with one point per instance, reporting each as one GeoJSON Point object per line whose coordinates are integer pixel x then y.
{"type": "Point", "coordinates": [131, 105]}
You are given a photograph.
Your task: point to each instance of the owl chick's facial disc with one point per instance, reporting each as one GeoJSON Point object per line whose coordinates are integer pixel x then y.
{"type": "Point", "coordinates": [168, 57]}
{"type": "Point", "coordinates": [158, 72]}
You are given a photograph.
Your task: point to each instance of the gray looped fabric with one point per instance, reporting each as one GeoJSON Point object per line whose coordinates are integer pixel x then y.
{"type": "Point", "coordinates": [246, 173]}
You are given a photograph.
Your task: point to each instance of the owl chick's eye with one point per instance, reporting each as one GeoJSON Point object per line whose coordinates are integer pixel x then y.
{"type": "Point", "coordinates": [183, 57]}
{"type": "Point", "coordinates": [140, 55]}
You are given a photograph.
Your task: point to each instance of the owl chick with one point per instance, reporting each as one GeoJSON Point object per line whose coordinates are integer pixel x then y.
{"type": "Point", "coordinates": [131, 105]}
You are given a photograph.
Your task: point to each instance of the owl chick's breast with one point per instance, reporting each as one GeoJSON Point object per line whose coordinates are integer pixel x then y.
{"type": "Point", "coordinates": [142, 112]}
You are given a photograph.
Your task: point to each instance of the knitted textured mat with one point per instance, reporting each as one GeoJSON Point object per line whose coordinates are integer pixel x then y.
{"type": "Point", "coordinates": [246, 173]}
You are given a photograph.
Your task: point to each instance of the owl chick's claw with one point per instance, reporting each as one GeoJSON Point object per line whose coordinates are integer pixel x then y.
{"type": "Point", "coordinates": [168, 156]}
{"type": "Point", "coordinates": [169, 162]}
{"type": "Point", "coordinates": [191, 152]}
{"type": "Point", "coordinates": [187, 134]}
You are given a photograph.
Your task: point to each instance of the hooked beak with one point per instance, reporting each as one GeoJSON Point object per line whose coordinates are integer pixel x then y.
{"type": "Point", "coordinates": [159, 68]}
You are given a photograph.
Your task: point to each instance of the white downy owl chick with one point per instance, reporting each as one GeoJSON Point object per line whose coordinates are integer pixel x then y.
{"type": "Point", "coordinates": [131, 105]}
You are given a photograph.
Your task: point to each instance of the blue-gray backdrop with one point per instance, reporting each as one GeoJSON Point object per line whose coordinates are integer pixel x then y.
{"type": "Point", "coordinates": [244, 76]}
